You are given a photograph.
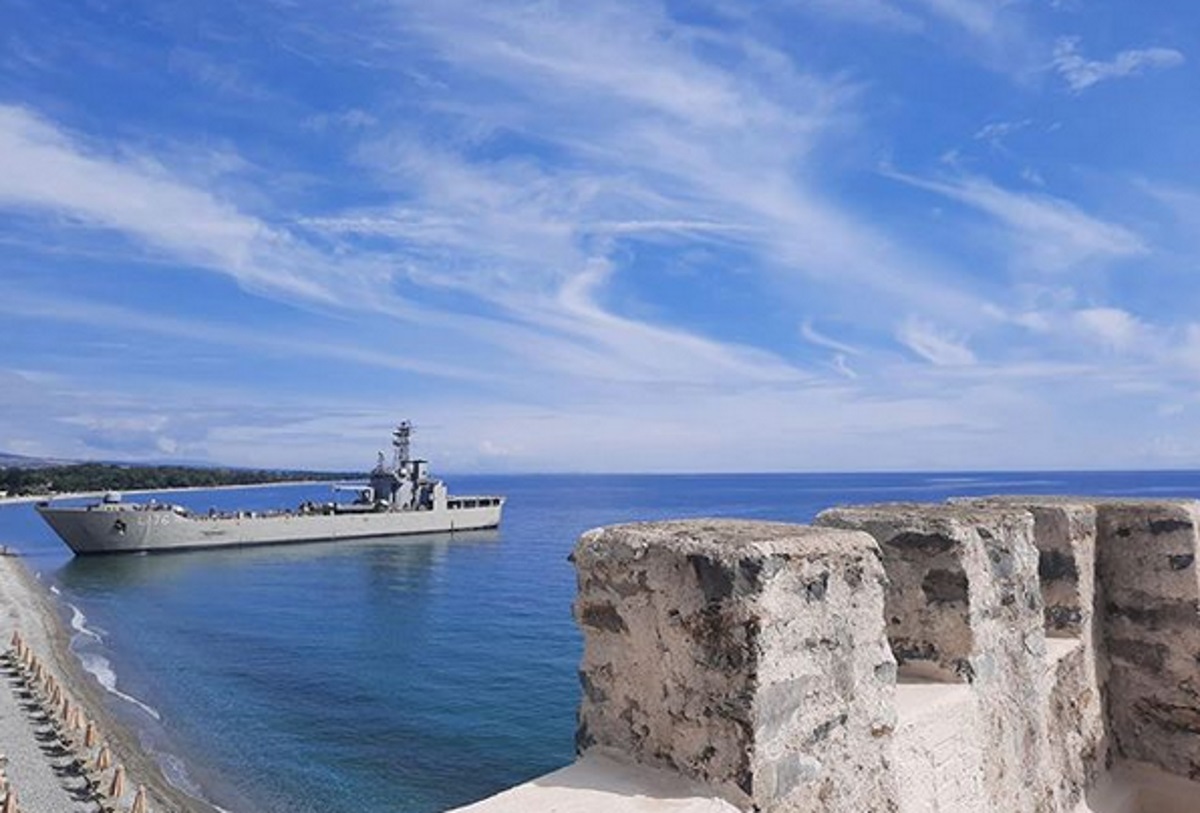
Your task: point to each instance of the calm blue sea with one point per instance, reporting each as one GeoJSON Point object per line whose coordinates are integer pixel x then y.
{"type": "Point", "coordinates": [403, 676]}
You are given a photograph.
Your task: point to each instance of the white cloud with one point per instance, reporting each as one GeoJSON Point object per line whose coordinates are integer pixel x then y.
{"type": "Point", "coordinates": [44, 170]}
{"type": "Point", "coordinates": [811, 334]}
{"type": "Point", "coordinates": [1112, 327]}
{"type": "Point", "coordinates": [1050, 234]}
{"type": "Point", "coordinates": [994, 133]}
{"type": "Point", "coordinates": [1081, 73]}
{"type": "Point", "coordinates": [935, 346]}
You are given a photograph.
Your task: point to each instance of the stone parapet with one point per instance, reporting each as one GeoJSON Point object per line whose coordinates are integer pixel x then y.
{"type": "Point", "coordinates": [963, 605]}
{"type": "Point", "coordinates": [1073, 687]}
{"type": "Point", "coordinates": [992, 654]}
{"type": "Point", "coordinates": [748, 655]}
{"type": "Point", "coordinates": [1147, 570]}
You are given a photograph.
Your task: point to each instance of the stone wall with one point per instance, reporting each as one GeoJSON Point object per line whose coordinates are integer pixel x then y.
{"type": "Point", "coordinates": [1005, 651]}
{"type": "Point", "coordinates": [748, 655]}
{"type": "Point", "coordinates": [1147, 571]}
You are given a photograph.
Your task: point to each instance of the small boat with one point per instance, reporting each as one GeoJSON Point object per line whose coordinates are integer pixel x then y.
{"type": "Point", "coordinates": [397, 500]}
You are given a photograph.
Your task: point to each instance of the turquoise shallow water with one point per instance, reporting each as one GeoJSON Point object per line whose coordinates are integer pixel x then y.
{"type": "Point", "coordinates": [403, 676]}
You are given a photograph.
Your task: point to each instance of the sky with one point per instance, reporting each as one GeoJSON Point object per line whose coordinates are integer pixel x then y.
{"type": "Point", "coordinates": [613, 236]}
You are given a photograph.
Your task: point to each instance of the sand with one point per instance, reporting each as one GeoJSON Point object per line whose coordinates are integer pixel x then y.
{"type": "Point", "coordinates": [39, 768]}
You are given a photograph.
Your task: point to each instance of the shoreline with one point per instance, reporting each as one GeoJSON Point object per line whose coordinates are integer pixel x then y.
{"type": "Point", "coordinates": [27, 605]}
{"type": "Point", "coordinates": [77, 495]}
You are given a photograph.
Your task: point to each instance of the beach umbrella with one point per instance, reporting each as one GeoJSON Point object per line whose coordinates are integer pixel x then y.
{"type": "Point", "coordinates": [139, 801]}
{"type": "Point", "coordinates": [116, 789]}
{"type": "Point", "coordinates": [15, 641]}
{"type": "Point", "coordinates": [103, 760]}
{"type": "Point", "coordinates": [10, 802]}
{"type": "Point", "coordinates": [64, 712]}
{"type": "Point", "coordinates": [90, 735]}
{"type": "Point", "coordinates": [75, 723]}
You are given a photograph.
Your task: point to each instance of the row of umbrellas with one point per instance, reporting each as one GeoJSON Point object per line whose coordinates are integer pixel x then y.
{"type": "Point", "coordinates": [77, 733]}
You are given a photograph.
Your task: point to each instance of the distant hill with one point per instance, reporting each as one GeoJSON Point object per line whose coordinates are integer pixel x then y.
{"type": "Point", "coordinates": [8, 460]}
{"type": "Point", "coordinates": [36, 476]}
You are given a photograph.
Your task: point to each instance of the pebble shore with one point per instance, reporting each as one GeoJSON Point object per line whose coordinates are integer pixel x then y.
{"type": "Point", "coordinates": [43, 755]}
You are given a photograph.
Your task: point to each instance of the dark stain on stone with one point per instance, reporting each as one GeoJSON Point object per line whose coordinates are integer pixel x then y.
{"type": "Point", "coordinates": [984, 533]}
{"type": "Point", "coordinates": [925, 543]}
{"type": "Point", "coordinates": [1061, 616]}
{"type": "Point", "coordinates": [964, 669]}
{"type": "Point", "coordinates": [749, 575]}
{"type": "Point", "coordinates": [822, 731]}
{"type": "Point", "coordinates": [1168, 613]}
{"type": "Point", "coordinates": [1170, 717]}
{"type": "Point", "coordinates": [602, 617]}
{"type": "Point", "coordinates": [815, 590]}
{"type": "Point", "coordinates": [1181, 561]}
{"type": "Point", "coordinates": [906, 649]}
{"type": "Point", "coordinates": [1056, 566]}
{"type": "Point", "coordinates": [583, 738]}
{"type": "Point", "coordinates": [1123, 532]}
{"type": "Point", "coordinates": [1140, 653]}
{"type": "Point", "coordinates": [1167, 526]}
{"type": "Point", "coordinates": [722, 643]}
{"type": "Point", "coordinates": [716, 580]}
{"type": "Point", "coordinates": [945, 587]}
{"type": "Point", "coordinates": [594, 693]}
{"type": "Point", "coordinates": [854, 576]}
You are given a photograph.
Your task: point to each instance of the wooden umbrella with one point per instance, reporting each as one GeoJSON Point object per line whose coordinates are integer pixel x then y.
{"type": "Point", "coordinates": [139, 801]}
{"type": "Point", "coordinates": [103, 760]}
{"type": "Point", "coordinates": [116, 788]}
{"type": "Point", "coordinates": [90, 735]}
{"type": "Point", "coordinates": [10, 802]}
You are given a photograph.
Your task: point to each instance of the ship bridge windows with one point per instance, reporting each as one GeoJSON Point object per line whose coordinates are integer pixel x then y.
{"type": "Point", "coordinates": [473, 502]}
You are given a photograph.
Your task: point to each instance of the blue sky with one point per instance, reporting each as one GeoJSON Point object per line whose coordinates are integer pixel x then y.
{"type": "Point", "coordinates": [604, 236]}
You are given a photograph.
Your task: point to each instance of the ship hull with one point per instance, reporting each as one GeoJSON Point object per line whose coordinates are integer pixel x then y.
{"type": "Point", "coordinates": [100, 530]}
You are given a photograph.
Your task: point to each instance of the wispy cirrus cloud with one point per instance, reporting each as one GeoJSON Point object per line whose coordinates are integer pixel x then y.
{"type": "Point", "coordinates": [1080, 73]}
{"type": "Point", "coordinates": [934, 345]}
{"type": "Point", "coordinates": [1049, 234]}
{"type": "Point", "coordinates": [45, 170]}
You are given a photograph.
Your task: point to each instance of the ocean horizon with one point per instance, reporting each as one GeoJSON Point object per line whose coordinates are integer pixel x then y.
{"type": "Point", "coordinates": [407, 675]}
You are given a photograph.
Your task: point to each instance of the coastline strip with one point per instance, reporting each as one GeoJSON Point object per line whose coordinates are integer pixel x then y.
{"type": "Point", "coordinates": [38, 767]}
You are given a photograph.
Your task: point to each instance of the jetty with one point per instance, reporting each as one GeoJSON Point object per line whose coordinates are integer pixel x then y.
{"type": "Point", "coordinates": [1012, 655]}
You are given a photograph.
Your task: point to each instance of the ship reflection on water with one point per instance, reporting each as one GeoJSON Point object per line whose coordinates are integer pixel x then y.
{"type": "Point", "coordinates": [387, 554]}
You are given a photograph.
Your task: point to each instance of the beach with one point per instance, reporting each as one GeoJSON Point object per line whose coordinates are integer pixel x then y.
{"type": "Point", "coordinates": [38, 767]}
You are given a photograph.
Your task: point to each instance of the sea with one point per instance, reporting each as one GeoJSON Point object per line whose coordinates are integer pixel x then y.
{"type": "Point", "coordinates": [406, 675]}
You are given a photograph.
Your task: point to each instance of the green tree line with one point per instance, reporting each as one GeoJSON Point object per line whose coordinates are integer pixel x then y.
{"type": "Point", "coordinates": [108, 477]}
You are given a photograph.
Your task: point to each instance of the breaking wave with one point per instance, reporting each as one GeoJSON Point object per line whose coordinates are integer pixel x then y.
{"type": "Point", "coordinates": [100, 668]}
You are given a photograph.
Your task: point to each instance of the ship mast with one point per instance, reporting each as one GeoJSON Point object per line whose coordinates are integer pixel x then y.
{"type": "Point", "coordinates": [400, 444]}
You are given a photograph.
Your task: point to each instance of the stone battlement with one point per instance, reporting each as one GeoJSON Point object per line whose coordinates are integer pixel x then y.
{"type": "Point", "coordinates": [984, 655]}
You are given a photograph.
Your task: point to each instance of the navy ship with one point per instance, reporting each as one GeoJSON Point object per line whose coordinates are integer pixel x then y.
{"type": "Point", "coordinates": [397, 500]}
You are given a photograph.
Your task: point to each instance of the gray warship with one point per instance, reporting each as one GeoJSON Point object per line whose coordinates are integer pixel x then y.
{"type": "Point", "coordinates": [398, 500]}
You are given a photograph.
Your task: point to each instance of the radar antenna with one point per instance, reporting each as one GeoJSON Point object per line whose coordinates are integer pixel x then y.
{"type": "Point", "coordinates": [400, 442]}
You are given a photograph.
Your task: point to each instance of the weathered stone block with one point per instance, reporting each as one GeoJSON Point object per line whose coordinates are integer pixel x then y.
{"type": "Point", "coordinates": [1064, 532]}
{"type": "Point", "coordinates": [748, 655]}
{"type": "Point", "coordinates": [963, 605]}
{"type": "Point", "coordinates": [1151, 591]}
